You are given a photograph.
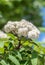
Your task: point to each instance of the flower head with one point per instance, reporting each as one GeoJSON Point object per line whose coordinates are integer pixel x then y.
{"type": "Point", "coordinates": [22, 28]}
{"type": "Point", "coordinates": [2, 34]}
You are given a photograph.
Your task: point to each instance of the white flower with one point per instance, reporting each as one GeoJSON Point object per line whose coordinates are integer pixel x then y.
{"type": "Point", "coordinates": [22, 28]}
{"type": "Point", "coordinates": [2, 35]}
{"type": "Point", "coordinates": [33, 34]}
{"type": "Point", "coordinates": [23, 31]}
{"type": "Point", "coordinates": [23, 23]}
{"type": "Point", "coordinates": [37, 31]}
{"type": "Point", "coordinates": [30, 28]}
{"type": "Point", "coordinates": [7, 28]}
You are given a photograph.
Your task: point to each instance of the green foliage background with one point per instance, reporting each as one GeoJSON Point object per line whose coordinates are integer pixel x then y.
{"type": "Point", "coordinates": [19, 9]}
{"type": "Point", "coordinates": [21, 51]}
{"type": "Point", "coordinates": [15, 50]}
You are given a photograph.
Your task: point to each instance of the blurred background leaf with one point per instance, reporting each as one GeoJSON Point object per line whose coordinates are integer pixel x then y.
{"type": "Point", "coordinates": [19, 9]}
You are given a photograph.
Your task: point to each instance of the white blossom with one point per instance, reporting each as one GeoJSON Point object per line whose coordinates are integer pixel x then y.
{"type": "Point", "coordinates": [22, 28]}
{"type": "Point", "coordinates": [2, 34]}
{"type": "Point", "coordinates": [23, 31]}
{"type": "Point", "coordinates": [33, 34]}
{"type": "Point", "coordinates": [7, 28]}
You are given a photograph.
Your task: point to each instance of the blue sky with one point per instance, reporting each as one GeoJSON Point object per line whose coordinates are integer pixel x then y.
{"type": "Point", "coordinates": [42, 10]}
{"type": "Point", "coordinates": [42, 35]}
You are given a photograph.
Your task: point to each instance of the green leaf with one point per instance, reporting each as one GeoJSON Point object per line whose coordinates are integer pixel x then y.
{"type": "Point", "coordinates": [19, 56]}
{"type": "Point", "coordinates": [7, 44]}
{"type": "Point", "coordinates": [1, 47]}
{"type": "Point", "coordinates": [6, 2]}
{"type": "Point", "coordinates": [34, 54]}
{"type": "Point", "coordinates": [14, 60]}
{"type": "Point", "coordinates": [22, 49]}
{"type": "Point", "coordinates": [34, 61]}
{"type": "Point", "coordinates": [1, 50]}
{"type": "Point", "coordinates": [26, 43]}
{"type": "Point", "coordinates": [3, 62]}
{"type": "Point", "coordinates": [3, 39]}
{"type": "Point", "coordinates": [1, 44]}
{"type": "Point", "coordinates": [40, 60]}
{"type": "Point", "coordinates": [42, 29]}
{"type": "Point", "coordinates": [26, 63]}
{"type": "Point", "coordinates": [11, 36]}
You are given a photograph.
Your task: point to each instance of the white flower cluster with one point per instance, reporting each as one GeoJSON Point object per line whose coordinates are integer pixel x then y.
{"type": "Point", "coordinates": [22, 28]}
{"type": "Point", "coordinates": [2, 34]}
